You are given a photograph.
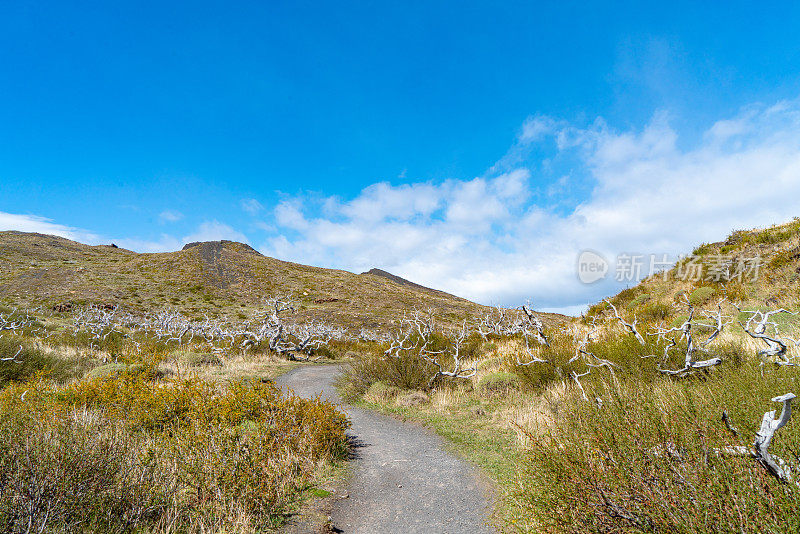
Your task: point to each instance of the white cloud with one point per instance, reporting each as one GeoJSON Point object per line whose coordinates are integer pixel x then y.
{"type": "Point", "coordinates": [166, 243]}
{"type": "Point", "coordinates": [263, 226]}
{"type": "Point", "coordinates": [43, 225]}
{"type": "Point", "coordinates": [483, 239]}
{"type": "Point", "coordinates": [251, 205]}
{"type": "Point", "coordinates": [215, 231]}
{"type": "Point", "coordinates": [289, 215]}
{"type": "Point", "coordinates": [536, 128]}
{"type": "Point", "coordinates": [169, 216]}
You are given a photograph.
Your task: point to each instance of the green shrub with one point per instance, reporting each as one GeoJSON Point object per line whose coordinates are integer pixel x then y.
{"type": "Point", "coordinates": [537, 376]}
{"type": "Point", "coordinates": [703, 249]}
{"type": "Point", "coordinates": [499, 383]}
{"type": "Point", "coordinates": [77, 475]}
{"type": "Point", "coordinates": [112, 370]}
{"type": "Point", "coordinates": [646, 460]}
{"type": "Point", "coordinates": [774, 236]}
{"type": "Point", "coordinates": [407, 371]}
{"type": "Point", "coordinates": [736, 291]}
{"type": "Point", "coordinates": [655, 311]}
{"type": "Point", "coordinates": [28, 362]}
{"type": "Point", "coordinates": [640, 299]}
{"type": "Point", "coordinates": [781, 259]}
{"type": "Point", "coordinates": [623, 297]}
{"type": "Point", "coordinates": [701, 295]}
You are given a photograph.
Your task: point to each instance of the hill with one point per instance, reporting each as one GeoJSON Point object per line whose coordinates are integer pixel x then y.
{"type": "Point", "coordinates": [218, 278]}
{"type": "Point", "coordinates": [756, 269]}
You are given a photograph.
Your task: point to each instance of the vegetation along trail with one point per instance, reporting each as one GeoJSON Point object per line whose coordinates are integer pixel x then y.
{"type": "Point", "coordinates": [403, 480]}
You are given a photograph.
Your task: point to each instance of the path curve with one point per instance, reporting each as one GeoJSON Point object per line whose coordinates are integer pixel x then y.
{"type": "Point", "coordinates": [403, 480]}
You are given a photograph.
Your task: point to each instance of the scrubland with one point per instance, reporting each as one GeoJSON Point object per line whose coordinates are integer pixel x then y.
{"type": "Point", "coordinates": [111, 432]}
{"type": "Point", "coordinates": [643, 415]}
{"type": "Point", "coordinates": [591, 432]}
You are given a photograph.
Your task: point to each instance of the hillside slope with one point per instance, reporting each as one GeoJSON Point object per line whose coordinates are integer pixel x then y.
{"type": "Point", "coordinates": [215, 278]}
{"type": "Point", "coordinates": [755, 269]}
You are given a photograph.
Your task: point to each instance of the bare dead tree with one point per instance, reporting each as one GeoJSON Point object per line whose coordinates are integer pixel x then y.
{"type": "Point", "coordinates": [533, 355]}
{"type": "Point", "coordinates": [757, 326]}
{"type": "Point", "coordinates": [576, 377]}
{"type": "Point", "coordinates": [691, 364]}
{"type": "Point", "coordinates": [415, 338]}
{"type": "Point", "coordinates": [631, 327]}
{"type": "Point", "coordinates": [718, 322]}
{"type": "Point", "coordinates": [534, 325]}
{"type": "Point", "coordinates": [13, 358]}
{"type": "Point", "coordinates": [777, 467]}
{"type": "Point", "coordinates": [531, 328]}
{"type": "Point", "coordinates": [769, 426]}
{"type": "Point", "coordinates": [497, 322]}
{"type": "Point", "coordinates": [589, 358]}
{"type": "Point", "coordinates": [458, 369]}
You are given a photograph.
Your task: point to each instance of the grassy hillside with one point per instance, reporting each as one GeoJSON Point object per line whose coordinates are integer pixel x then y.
{"type": "Point", "coordinates": [776, 285]}
{"type": "Point", "coordinates": [215, 278]}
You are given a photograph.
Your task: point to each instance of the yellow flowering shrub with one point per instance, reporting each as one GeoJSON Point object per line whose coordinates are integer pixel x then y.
{"type": "Point", "coordinates": [177, 454]}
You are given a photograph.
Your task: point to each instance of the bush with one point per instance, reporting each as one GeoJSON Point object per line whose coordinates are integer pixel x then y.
{"type": "Point", "coordinates": [538, 376]}
{"type": "Point", "coordinates": [701, 295]}
{"type": "Point", "coordinates": [703, 249]}
{"type": "Point", "coordinates": [406, 370]}
{"type": "Point", "coordinates": [641, 299]}
{"type": "Point", "coordinates": [113, 342]}
{"type": "Point", "coordinates": [77, 474]}
{"type": "Point", "coordinates": [500, 383]}
{"type": "Point", "coordinates": [655, 311]}
{"type": "Point", "coordinates": [28, 362]}
{"type": "Point", "coordinates": [413, 398]}
{"type": "Point", "coordinates": [781, 259]}
{"type": "Point", "coordinates": [187, 454]}
{"type": "Point", "coordinates": [646, 460]}
{"type": "Point", "coordinates": [113, 370]}
{"type": "Point", "coordinates": [736, 291]}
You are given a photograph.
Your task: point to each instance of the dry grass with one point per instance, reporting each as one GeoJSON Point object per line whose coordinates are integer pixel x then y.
{"type": "Point", "coordinates": [234, 367]}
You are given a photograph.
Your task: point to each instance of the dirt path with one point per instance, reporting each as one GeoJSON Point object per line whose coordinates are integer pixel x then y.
{"type": "Point", "coordinates": [403, 480]}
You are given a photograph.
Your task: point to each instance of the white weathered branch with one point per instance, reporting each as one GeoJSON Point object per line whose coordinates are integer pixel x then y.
{"type": "Point", "coordinates": [769, 426]}
{"type": "Point", "coordinates": [631, 327]}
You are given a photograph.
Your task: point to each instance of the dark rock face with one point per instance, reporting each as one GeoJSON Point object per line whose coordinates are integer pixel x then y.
{"type": "Point", "coordinates": [216, 260]}
{"type": "Point", "coordinates": [217, 246]}
{"type": "Point", "coordinates": [64, 307]}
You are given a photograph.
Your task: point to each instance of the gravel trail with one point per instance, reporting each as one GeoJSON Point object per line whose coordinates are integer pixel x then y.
{"type": "Point", "coordinates": [403, 480]}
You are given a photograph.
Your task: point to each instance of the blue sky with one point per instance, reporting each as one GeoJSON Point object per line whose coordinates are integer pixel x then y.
{"type": "Point", "coordinates": [465, 145]}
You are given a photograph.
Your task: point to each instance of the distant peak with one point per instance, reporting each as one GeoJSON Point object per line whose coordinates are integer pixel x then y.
{"type": "Point", "coordinates": [219, 245]}
{"type": "Point", "coordinates": [403, 282]}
